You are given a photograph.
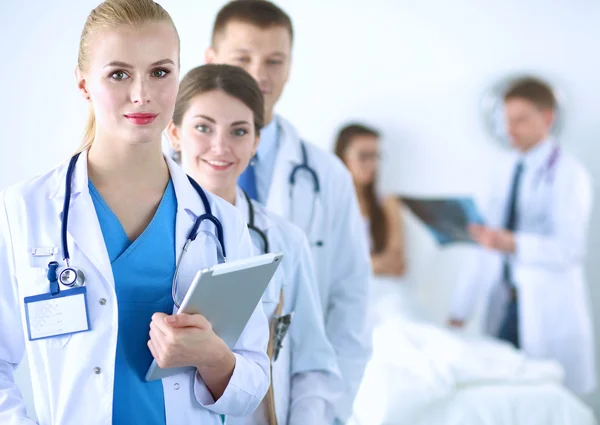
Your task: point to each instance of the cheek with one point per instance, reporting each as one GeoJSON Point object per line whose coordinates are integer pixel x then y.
{"type": "Point", "coordinates": [105, 97]}
{"type": "Point", "coordinates": [166, 94]}
{"type": "Point", "coordinates": [194, 144]}
{"type": "Point", "coordinates": [354, 166]}
{"type": "Point", "coordinates": [243, 153]}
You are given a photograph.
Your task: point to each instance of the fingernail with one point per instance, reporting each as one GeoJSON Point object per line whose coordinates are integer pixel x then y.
{"type": "Point", "coordinates": [170, 319]}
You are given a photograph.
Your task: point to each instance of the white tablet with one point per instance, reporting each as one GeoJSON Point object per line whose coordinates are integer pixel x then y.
{"type": "Point", "coordinates": [226, 294]}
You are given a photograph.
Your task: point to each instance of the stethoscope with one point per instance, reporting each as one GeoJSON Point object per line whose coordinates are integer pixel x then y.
{"type": "Point", "coordinates": [281, 323]}
{"type": "Point", "coordinates": [304, 165]}
{"type": "Point", "coordinates": [549, 167]}
{"type": "Point", "coordinates": [252, 226]}
{"type": "Point", "coordinates": [74, 277]}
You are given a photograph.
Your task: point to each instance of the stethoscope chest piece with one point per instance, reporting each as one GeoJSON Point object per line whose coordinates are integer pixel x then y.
{"type": "Point", "coordinates": [72, 277]}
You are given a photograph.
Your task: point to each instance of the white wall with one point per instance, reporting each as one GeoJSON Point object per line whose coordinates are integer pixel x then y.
{"type": "Point", "coordinates": [414, 69]}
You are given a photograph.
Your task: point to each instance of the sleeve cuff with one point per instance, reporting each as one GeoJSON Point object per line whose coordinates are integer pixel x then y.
{"type": "Point", "coordinates": [236, 400]}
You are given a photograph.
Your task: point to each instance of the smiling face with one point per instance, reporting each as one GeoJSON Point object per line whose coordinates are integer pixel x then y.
{"type": "Point", "coordinates": [131, 80]}
{"type": "Point", "coordinates": [216, 139]}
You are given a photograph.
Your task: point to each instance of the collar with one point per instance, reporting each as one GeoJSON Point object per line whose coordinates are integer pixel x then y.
{"type": "Point", "coordinates": [261, 215]}
{"type": "Point", "coordinates": [187, 198]}
{"type": "Point", "coordinates": [269, 139]}
{"type": "Point", "coordinates": [290, 151]}
{"type": "Point", "coordinates": [538, 155]}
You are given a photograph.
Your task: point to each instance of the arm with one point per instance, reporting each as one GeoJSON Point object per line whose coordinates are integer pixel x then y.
{"type": "Point", "coordinates": [391, 261]}
{"type": "Point", "coordinates": [346, 318]}
{"type": "Point", "coordinates": [12, 343]}
{"type": "Point", "coordinates": [310, 400]}
{"type": "Point", "coordinates": [249, 381]}
{"type": "Point", "coordinates": [566, 245]}
{"type": "Point", "coordinates": [316, 380]}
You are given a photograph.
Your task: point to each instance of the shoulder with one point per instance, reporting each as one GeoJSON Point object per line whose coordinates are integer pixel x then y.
{"type": "Point", "coordinates": [35, 189]}
{"type": "Point", "coordinates": [287, 233]}
{"type": "Point", "coordinates": [226, 212]}
{"type": "Point", "coordinates": [327, 164]}
{"type": "Point", "coordinates": [573, 166]}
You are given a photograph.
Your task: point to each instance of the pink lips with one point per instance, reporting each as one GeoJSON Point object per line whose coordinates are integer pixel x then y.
{"type": "Point", "coordinates": [141, 118]}
{"type": "Point", "coordinates": [218, 167]}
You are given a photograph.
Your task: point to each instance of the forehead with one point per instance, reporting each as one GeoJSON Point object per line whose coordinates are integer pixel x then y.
{"type": "Point", "coordinates": [219, 106]}
{"type": "Point", "coordinates": [242, 35]}
{"type": "Point", "coordinates": [364, 142]}
{"type": "Point", "coordinates": [520, 105]}
{"type": "Point", "coordinates": [136, 45]}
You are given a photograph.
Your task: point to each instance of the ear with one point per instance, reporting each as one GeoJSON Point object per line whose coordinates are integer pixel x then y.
{"type": "Point", "coordinates": [210, 55]}
{"type": "Point", "coordinates": [81, 84]}
{"type": "Point", "coordinates": [549, 116]}
{"type": "Point", "coordinates": [173, 135]}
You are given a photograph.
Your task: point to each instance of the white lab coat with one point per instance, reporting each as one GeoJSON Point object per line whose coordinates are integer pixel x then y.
{"type": "Point", "coordinates": [306, 378]}
{"type": "Point", "coordinates": [339, 248]}
{"type": "Point", "coordinates": [67, 388]}
{"type": "Point", "coordinates": [553, 211]}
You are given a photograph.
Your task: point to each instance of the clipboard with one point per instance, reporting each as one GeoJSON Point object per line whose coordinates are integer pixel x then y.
{"type": "Point", "coordinates": [446, 218]}
{"type": "Point", "coordinates": [226, 294]}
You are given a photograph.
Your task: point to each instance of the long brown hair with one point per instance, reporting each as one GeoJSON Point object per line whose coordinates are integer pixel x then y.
{"type": "Point", "coordinates": [378, 225]}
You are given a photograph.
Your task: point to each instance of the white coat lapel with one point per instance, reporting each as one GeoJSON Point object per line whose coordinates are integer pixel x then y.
{"type": "Point", "coordinates": [260, 219]}
{"type": "Point", "coordinates": [83, 228]}
{"type": "Point", "coordinates": [289, 155]}
{"type": "Point", "coordinates": [202, 251]}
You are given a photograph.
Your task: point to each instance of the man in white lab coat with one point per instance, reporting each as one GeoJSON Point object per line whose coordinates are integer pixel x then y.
{"type": "Point", "coordinates": [531, 269]}
{"type": "Point", "coordinates": [318, 196]}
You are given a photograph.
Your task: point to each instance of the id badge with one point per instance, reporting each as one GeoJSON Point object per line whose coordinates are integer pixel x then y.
{"type": "Point", "coordinates": [55, 315]}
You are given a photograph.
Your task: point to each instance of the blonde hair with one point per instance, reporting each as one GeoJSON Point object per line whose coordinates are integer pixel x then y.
{"type": "Point", "coordinates": [111, 14]}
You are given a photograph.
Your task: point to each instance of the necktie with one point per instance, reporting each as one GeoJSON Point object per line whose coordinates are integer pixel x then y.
{"type": "Point", "coordinates": [247, 180]}
{"type": "Point", "coordinates": [511, 219]}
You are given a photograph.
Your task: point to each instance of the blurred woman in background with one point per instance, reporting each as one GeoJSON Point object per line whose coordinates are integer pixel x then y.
{"type": "Point", "coordinates": [358, 147]}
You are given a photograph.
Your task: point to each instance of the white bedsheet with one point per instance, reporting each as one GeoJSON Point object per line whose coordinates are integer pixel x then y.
{"type": "Point", "coordinates": [424, 374]}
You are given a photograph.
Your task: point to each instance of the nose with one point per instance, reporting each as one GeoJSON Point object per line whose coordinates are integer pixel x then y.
{"type": "Point", "coordinates": [258, 70]}
{"type": "Point", "coordinates": [139, 92]}
{"type": "Point", "coordinates": [219, 143]}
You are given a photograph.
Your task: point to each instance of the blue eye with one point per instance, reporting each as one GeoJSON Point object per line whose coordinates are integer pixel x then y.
{"type": "Point", "coordinates": [160, 73]}
{"type": "Point", "coordinates": [119, 75]}
{"type": "Point", "coordinates": [240, 132]}
{"type": "Point", "coordinates": [242, 60]}
{"type": "Point", "coordinates": [274, 62]}
{"type": "Point", "coordinates": [202, 128]}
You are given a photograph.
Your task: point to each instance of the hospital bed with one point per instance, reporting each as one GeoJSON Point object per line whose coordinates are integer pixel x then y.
{"type": "Point", "coordinates": [424, 374]}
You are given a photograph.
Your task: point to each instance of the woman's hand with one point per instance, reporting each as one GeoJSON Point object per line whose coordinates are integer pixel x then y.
{"type": "Point", "coordinates": [188, 340]}
{"type": "Point", "coordinates": [181, 340]}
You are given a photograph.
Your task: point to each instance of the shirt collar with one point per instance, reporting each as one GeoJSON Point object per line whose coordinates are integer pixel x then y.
{"type": "Point", "coordinates": [269, 139]}
{"type": "Point", "coordinates": [535, 158]}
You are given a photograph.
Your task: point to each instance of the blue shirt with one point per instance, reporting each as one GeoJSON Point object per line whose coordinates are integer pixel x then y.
{"type": "Point", "coordinates": [266, 157]}
{"type": "Point", "coordinates": [143, 272]}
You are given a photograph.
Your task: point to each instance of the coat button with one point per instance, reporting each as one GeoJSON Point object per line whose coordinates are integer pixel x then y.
{"type": "Point", "coordinates": [102, 301]}
{"type": "Point", "coordinates": [176, 386]}
{"type": "Point", "coordinates": [97, 370]}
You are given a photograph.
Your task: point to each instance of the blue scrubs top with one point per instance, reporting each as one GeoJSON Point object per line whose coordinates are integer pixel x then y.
{"type": "Point", "coordinates": [143, 272]}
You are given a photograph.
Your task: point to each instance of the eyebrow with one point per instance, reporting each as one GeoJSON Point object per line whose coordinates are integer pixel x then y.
{"type": "Point", "coordinates": [242, 50]}
{"type": "Point", "coordinates": [214, 121]}
{"type": "Point", "coordinates": [126, 65]}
